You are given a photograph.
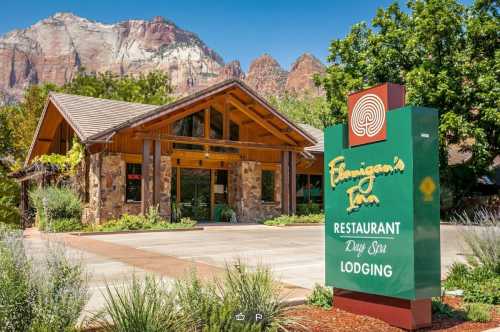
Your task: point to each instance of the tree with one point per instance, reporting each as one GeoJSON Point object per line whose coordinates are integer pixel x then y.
{"type": "Point", "coordinates": [447, 56]}
{"type": "Point", "coordinates": [152, 88]}
{"type": "Point", "coordinates": [310, 110]}
{"type": "Point", "coordinates": [9, 190]}
{"type": "Point", "coordinates": [22, 118]}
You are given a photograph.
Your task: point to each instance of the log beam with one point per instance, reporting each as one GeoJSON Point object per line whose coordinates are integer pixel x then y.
{"type": "Point", "coordinates": [259, 119]}
{"type": "Point", "coordinates": [217, 142]}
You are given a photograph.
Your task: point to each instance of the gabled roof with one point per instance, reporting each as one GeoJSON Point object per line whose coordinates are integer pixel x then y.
{"type": "Point", "coordinates": [91, 116]}
{"type": "Point", "coordinates": [200, 95]}
{"type": "Point", "coordinates": [318, 136]}
{"type": "Point", "coordinates": [95, 119]}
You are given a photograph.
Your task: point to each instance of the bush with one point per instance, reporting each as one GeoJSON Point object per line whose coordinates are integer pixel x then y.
{"type": "Point", "coordinates": [141, 307]}
{"type": "Point", "coordinates": [44, 295]}
{"type": "Point", "coordinates": [62, 291]}
{"type": "Point", "coordinates": [138, 222]}
{"type": "Point", "coordinates": [53, 204]}
{"type": "Point", "coordinates": [17, 294]}
{"type": "Point", "coordinates": [294, 219]}
{"type": "Point", "coordinates": [441, 309]}
{"type": "Point", "coordinates": [252, 293]}
{"type": "Point", "coordinates": [198, 302]}
{"type": "Point", "coordinates": [66, 225]}
{"type": "Point", "coordinates": [457, 277]}
{"type": "Point", "coordinates": [486, 291]}
{"type": "Point", "coordinates": [481, 234]}
{"type": "Point", "coordinates": [478, 312]}
{"type": "Point", "coordinates": [308, 208]}
{"type": "Point", "coordinates": [321, 296]}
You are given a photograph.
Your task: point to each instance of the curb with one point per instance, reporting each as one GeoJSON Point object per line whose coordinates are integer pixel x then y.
{"type": "Point", "coordinates": [294, 302]}
{"type": "Point", "coordinates": [136, 231]}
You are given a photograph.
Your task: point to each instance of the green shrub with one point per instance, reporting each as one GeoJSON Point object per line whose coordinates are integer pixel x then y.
{"type": "Point", "coordinates": [208, 306]}
{"type": "Point", "coordinates": [486, 291]}
{"type": "Point", "coordinates": [62, 289]}
{"type": "Point", "coordinates": [130, 222]}
{"type": "Point", "coordinates": [457, 276]}
{"type": "Point", "coordinates": [66, 225]}
{"type": "Point", "coordinates": [53, 203]}
{"type": "Point", "coordinates": [308, 208]}
{"type": "Point", "coordinates": [478, 312]}
{"type": "Point", "coordinates": [481, 233]}
{"type": "Point", "coordinates": [440, 308]}
{"type": "Point", "coordinates": [198, 302]}
{"type": "Point", "coordinates": [294, 219]}
{"type": "Point", "coordinates": [139, 307]}
{"type": "Point", "coordinates": [17, 294]}
{"type": "Point", "coordinates": [321, 296]}
{"type": "Point", "coordinates": [39, 296]}
{"type": "Point", "coordinates": [254, 293]}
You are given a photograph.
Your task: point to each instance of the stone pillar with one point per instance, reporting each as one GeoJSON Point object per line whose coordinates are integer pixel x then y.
{"type": "Point", "coordinates": [165, 187]}
{"type": "Point", "coordinates": [145, 189]}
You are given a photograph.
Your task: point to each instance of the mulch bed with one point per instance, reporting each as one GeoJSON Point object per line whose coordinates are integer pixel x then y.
{"type": "Point", "coordinates": [319, 320]}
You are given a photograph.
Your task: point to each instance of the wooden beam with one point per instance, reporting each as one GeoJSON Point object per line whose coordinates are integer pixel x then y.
{"type": "Point", "coordinates": [178, 115]}
{"type": "Point", "coordinates": [285, 182]}
{"type": "Point", "coordinates": [145, 194]}
{"type": "Point", "coordinates": [225, 120]}
{"type": "Point", "coordinates": [259, 119]}
{"type": "Point", "coordinates": [218, 142]}
{"type": "Point", "coordinates": [157, 172]}
{"type": "Point", "coordinates": [293, 182]}
{"type": "Point", "coordinates": [45, 140]}
{"type": "Point", "coordinates": [265, 117]}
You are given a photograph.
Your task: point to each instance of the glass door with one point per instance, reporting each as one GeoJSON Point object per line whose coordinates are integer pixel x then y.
{"type": "Point", "coordinates": [195, 193]}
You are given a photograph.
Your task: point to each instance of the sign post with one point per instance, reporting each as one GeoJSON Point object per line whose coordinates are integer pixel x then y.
{"type": "Point", "coordinates": [382, 208]}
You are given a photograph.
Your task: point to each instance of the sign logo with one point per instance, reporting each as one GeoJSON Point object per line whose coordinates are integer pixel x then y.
{"type": "Point", "coordinates": [367, 112]}
{"type": "Point", "coordinates": [427, 188]}
{"type": "Point", "coordinates": [368, 116]}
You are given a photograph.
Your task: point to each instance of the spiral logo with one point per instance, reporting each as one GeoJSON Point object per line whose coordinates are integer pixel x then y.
{"type": "Point", "coordinates": [368, 116]}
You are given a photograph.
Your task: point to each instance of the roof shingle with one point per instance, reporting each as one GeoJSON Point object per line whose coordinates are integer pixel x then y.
{"type": "Point", "coordinates": [90, 116]}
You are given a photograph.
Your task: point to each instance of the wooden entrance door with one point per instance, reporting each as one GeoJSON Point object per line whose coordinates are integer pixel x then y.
{"type": "Point", "coordinates": [195, 193]}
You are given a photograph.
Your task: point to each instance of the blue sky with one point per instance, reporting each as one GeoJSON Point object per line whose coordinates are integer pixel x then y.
{"type": "Point", "coordinates": [240, 30]}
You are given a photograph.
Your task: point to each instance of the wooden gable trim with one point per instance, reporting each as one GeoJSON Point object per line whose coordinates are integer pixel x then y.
{"type": "Point", "coordinates": [36, 139]}
{"type": "Point", "coordinates": [259, 119]}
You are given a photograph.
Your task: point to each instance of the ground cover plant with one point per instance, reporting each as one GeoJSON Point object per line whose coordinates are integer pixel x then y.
{"type": "Point", "coordinates": [151, 221]}
{"type": "Point", "coordinates": [321, 296]}
{"type": "Point", "coordinates": [58, 209]}
{"type": "Point", "coordinates": [39, 294]}
{"type": "Point", "coordinates": [284, 220]}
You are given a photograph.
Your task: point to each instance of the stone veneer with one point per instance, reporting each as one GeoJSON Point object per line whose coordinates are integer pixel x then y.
{"type": "Point", "coordinates": [245, 192]}
{"type": "Point", "coordinates": [107, 196]}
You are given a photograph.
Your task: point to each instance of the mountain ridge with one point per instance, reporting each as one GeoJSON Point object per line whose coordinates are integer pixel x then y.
{"type": "Point", "coordinates": [54, 49]}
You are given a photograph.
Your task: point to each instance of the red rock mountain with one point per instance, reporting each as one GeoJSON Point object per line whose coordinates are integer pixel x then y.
{"type": "Point", "coordinates": [54, 49]}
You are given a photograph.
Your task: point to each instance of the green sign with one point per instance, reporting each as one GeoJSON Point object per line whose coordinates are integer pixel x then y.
{"type": "Point", "coordinates": [382, 208]}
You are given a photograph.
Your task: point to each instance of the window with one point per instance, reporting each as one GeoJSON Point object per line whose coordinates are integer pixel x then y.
{"type": "Point", "coordinates": [309, 190]}
{"type": "Point", "coordinates": [316, 189]}
{"type": "Point", "coordinates": [133, 183]}
{"type": "Point", "coordinates": [267, 186]}
{"type": "Point", "coordinates": [193, 126]}
{"type": "Point", "coordinates": [216, 131]}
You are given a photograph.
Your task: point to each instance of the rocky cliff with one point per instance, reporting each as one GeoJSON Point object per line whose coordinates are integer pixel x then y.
{"type": "Point", "coordinates": [54, 49]}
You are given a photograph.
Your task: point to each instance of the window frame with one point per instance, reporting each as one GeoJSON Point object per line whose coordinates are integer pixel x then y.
{"type": "Point", "coordinates": [127, 200]}
{"type": "Point", "coordinates": [273, 199]}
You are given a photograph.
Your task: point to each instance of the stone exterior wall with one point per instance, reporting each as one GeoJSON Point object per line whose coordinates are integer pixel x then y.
{"type": "Point", "coordinates": [107, 196]}
{"type": "Point", "coordinates": [245, 192]}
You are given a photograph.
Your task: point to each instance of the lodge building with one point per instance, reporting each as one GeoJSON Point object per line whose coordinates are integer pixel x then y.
{"type": "Point", "coordinates": [224, 145]}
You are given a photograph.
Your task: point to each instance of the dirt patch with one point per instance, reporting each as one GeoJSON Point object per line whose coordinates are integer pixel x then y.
{"type": "Point", "coordinates": [319, 320]}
